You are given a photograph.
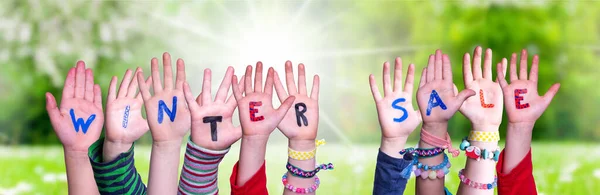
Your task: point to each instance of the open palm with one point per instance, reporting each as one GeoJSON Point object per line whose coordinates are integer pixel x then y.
{"type": "Point", "coordinates": [168, 116]}
{"type": "Point", "coordinates": [78, 122]}
{"type": "Point", "coordinates": [486, 107]}
{"type": "Point", "coordinates": [257, 115]}
{"type": "Point", "coordinates": [220, 112]}
{"type": "Point", "coordinates": [397, 116]}
{"type": "Point", "coordinates": [301, 122]}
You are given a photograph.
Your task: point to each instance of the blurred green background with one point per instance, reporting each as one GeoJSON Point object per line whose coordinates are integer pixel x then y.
{"type": "Point", "coordinates": [342, 41]}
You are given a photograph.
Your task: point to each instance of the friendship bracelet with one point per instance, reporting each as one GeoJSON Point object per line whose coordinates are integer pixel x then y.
{"type": "Point", "coordinates": [484, 136]}
{"type": "Point", "coordinates": [298, 172]}
{"type": "Point", "coordinates": [438, 142]}
{"type": "Point", "coordinates": [476, 153]}
{"type": "Point", "coordinates": [292, 188]}
{"type": "Point", "coordinates": [432, 172]}
{"type": "Point", "coordinates": [298, 155]}
{"type": "Point", "coordinates": [477, 185]}
{"type": "Point", "coordinates": [409, 153]}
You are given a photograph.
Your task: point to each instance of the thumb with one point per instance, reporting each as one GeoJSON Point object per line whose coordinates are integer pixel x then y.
{"type": "Point", "coordinates": [547, 98]}
{"type": "Point", "coordinates": [464, 94]}
{"type": "Point", "coordinates": [51, 107]}
{"type": "Point", "coordinates": [419, 117]}
{"type": "Point", "coordinates": [285, 106]}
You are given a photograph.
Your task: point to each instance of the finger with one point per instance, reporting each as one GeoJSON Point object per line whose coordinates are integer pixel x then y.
{"type": "Point", "coordinates": [112, 87]}
{"type": "Point", "coordinates": [97, 96]}
{"type": "Point", "coordinates": [419, 117]}
{"type": "Point", "coordinates": [51, 107]}
{"type": "Point", "coordinates": [69, 88]}
{"type": "Point", "coordinates": [487, 64]}
{"type": "Point", "coordinates": [447, 68]}
{"type": "Point", "coordinates": [258, 87]}
{"type": "Point", "coordinates": [148, 83]}
{"type": "Point", "coordinates": [133, 85]}
{"type": "Point", "coordinates": [467, 73]}
{"type": "Point", "coordinates": [283, 109]}
{"type": "Point", "coordinates": [80, 80]}
{"type": "Point", "coordinates": [410, 77]}
{"type": "Point", "coordinates": [477, 63]}
{"type": "Point", "coordinates": [143, 86]}
{"type": "Point", "coordinates": [199, 99]}
{"type": "Point", "coordinates": [206, 88]}
{"type": "Point", "coordinates": [513, 68]}
{"type": "Point", "coordinates": [269, 82]}
{"type": "Point", "coordinates": [155, 76]}
{"type": "Point", "coordinates": [523, 65]}
{"type": "Point", "coordinates": [374, 89]}
{"type": "Point", "coordinates": [225, 85]}
{"type": "Point", "coordinates": [423, 77]}
{"type": "Point", "coordinates": [438, 65]}
{"type": "Point", "coordinates": [231, 102]}
{"type": "Point", "coordinates": [124, 84]}
{"type": "Point", "coordinates": [398, 75]}
{"type": "Point", "coordinates": [180, 74]}
{"type": "Point", "coordinates": [289, 78]}
{"type": "Point", "coordinates": [504, 66]}
{"type": "Point", "coordinates": [314, 92]}
{"type": "Point", "coordinates": [248, 80]}
{"type": "Point", "coordinates": [301, 79]}
{"type": "Point", "coordinates": [189, 98]}
{"type": "Point", "coordinates": [281, 93]}
{"type": "Point", "coordinates": [463, 95]}
{"type": "Point", "coordinates": [387, 86]}
{"type": "Point", "coordinates": [430, 68]}
{"type": "Point", "coordinates": [500, 67]}
{"type": "Point", "coordinates": [533, 74]}
{"type": "Point", "coordinates": [167, 71]}
{"type": "Point", "coordinates": [237, 92]}
{"type": "Point", "coordinates": [89, 85]}
{"type": "Point", "coordinates": [547, 98]}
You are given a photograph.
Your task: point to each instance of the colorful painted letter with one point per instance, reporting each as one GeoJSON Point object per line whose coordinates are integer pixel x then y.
{"type": "Point", "coordinates": [519, 98]}
{"type": "Point", "coordinates": [162, 107]}
{"type": "Point", "coordinates": [395, 106]}
{"type": "Point", "coordinates": [79, 122]}
{"type": "Point", "coordinates": [126, 116]}
{"type": "Point", "coordinates": [483, 104]}
{"type": "Point", "coordinates": [213, 125]}
{"type": "Point", "coordinates": [253, 111]}
{"type": "Point", "coordinates": [300, 114]}
{"type": "Point", "coordinates": [432, 104]}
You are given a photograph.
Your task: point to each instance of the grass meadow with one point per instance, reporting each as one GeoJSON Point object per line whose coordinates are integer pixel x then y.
{"type": "Point", "coordinates": [559, 168]}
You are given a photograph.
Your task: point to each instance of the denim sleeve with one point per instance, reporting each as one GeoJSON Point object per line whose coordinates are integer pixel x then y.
{"type": "Point", "coordinates": [387, 175]}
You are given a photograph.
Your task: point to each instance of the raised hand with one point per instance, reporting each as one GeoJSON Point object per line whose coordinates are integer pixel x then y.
{"type": "Point", "coordinates": [124, 121]}
{"type": "Point", "coordinates": [437, 96]}
{"type": "Point", "coordinates": [523, 103]}
{"type": "Point", "coordinates": [301, 122]}
{"type": "Point", "coordinates": [78, 122]}
{"type": "Point", "coordinates": [484, 110]}
{"type": "Point", "coordinates": [212, 127]}
{"type": "Point", "coordinates": [168, 117]}
{"type": "Point", "coordinates": [257, 115]}
{"type": "Point", "coordinates": [397, 117]}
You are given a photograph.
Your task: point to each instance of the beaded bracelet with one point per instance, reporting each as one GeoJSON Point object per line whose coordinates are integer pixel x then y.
{"type": "Point", "coordinates": [476, 153]}
{"type": "Point", "coordinates": [477, 185]}
{"type": "Point", "coordinates": [298, 172]}
{"type": "Point", "coordinates": [421, 152]}
{"type": "Point", "coordinates": [432, 172]}
{"type": "Point", "coordinates": [484, 136]}
{"type": "Point", "coordinates": [298, 155]}
{"type": "Point", "coordinates": [292, 188]}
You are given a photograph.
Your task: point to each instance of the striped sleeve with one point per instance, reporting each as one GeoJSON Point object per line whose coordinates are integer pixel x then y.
{"type": "Point", "coordinates": [118, 176]}
{"type": "Point", "coordinates": [199, 173]}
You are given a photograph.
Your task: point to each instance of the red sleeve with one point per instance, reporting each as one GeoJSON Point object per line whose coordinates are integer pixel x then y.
{"type": "Point", "coordinates": [257, 185]}
{"type": "Point", "coordinates": [519, 181]}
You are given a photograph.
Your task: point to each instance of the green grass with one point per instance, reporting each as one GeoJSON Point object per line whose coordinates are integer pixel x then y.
{"type": "Point", "coordinates": [559, 168]}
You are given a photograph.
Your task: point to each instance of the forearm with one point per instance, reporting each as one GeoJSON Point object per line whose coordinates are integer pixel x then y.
{"type": "Point", "coordinates": [164, 163]}
{"type": "Point", "coordinates": [200, 170]}
{"type": "Point", "coordinates": [118, 176]}
{"type": "Point", "coordinates": [518, 143]}
{"type": "Point", "coordinates": [392, 146]}
{"type": "Point", "coordinates": [483, 170]}
{"type": "Point", "coordinates": [307, 165]}
{"type": "Point", "coordinates": [431, 186]}
{"type": "Point", "coordinates": [80, 177]}
{"type": "Point", "coordinates": [252, 157]}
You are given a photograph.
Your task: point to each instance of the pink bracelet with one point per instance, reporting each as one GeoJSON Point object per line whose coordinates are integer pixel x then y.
{"type": "Point", "coordinates": [438, 142]}
{"type": "Point", "coordinates": [477, 185]}
{"type": "Point", "coordinates": [290, 187]}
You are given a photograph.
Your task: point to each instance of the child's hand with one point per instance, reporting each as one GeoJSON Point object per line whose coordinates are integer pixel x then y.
{"type": "Point", "coordinates": [302, 121]}
{"type": "Point", "coordinates": [437, 95]}
{"type": "Point", "coordinates": [257, 115]}
{"type": "Point", "coordinates": [124, 121]}
{"type": "Point", "coordinates": [167, 114]}
{"type": "Point", "coordinates": [484, 110]}
{"type": "Point", "coordinates": [523, 104]}
{"type": "Point", "coordinates": [397, 117]}
{"type": "Point", "coordinates": [78, 122]}
{"type": "Point", "coordinates": [207, 114]}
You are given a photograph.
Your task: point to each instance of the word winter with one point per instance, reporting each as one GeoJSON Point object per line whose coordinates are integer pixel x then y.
{"type": "Point", "coordinates": [162, 107]}
{"type": "Point", "coordinates": [79, 122]}
{"type": "Point", "coordinates": [126, 116]}
{"type": "Point", "coordinates": [254, 110]}
{"type": "Point", "coordinates": [213, 125]}
{"type": "Point", "coordinates": [300, 114]}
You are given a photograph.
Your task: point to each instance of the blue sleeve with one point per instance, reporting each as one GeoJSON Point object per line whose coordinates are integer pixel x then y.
{"type": "Point", "coordinates": [387, 175]}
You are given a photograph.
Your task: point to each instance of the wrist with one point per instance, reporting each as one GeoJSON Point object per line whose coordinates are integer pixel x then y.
{"type": "Point", "coordinates": [255, 139]}
{"type": "Point", "coordinates": [485, 127]}
{"type": "Point", "coordinates": [392, 146]}
{"type": "Point", "coordinates": [112, 149]}
{"type": "Point", "coordinates": [302, 145]}
{"type": "Point", "coordinates": [73, 153]}
{"type": "Point", "coordinates": [439, 129]}
{"type": "Point", "coordinates": [166, 145]}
